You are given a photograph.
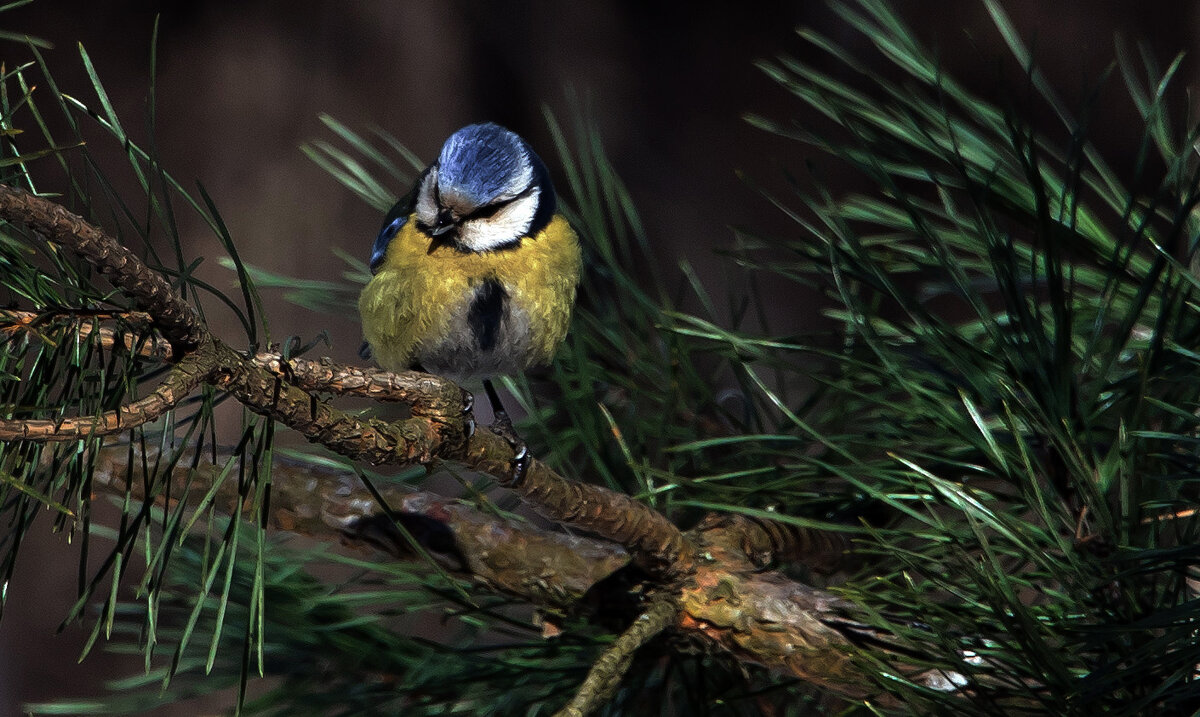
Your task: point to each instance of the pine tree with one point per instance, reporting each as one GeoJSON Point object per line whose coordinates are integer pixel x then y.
{"type": "Point", "coordinates": [974, 495]}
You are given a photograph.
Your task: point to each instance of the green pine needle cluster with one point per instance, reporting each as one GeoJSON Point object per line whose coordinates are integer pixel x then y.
{"type": "Point", "coordinates": [1014, 379]}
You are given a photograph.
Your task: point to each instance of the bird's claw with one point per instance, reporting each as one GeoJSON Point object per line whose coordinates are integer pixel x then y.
{"type": "Point", "coordinates": [502, 426]}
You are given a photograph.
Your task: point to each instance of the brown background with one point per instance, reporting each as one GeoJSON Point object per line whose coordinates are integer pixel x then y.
{"type": "Point", "coordinates": [241, 83]}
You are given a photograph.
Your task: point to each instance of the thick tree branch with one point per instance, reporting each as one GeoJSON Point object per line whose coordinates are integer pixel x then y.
{"type": "Point", "coordinates": [770, 541]}
{"type": "Point", "coordinates": [728, 602]}
{"type": "Point", "coordinates": [766, 618]}
{"type": "Point", "coordinates": [427, 394]}
{"type": "Point", "coordinates": [546, 567]}
{"type": "Point", "coordinates": [656, 545]}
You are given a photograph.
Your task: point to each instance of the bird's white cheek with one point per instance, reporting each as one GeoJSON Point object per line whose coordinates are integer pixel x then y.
{"type": "Point", "coordinates": [426, 207]}
{"type": "Point", "coordinates": [503, 227]}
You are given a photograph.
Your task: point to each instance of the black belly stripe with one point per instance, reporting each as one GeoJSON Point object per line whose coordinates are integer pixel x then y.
{"type": "Point", "coordinates": [487, 309]}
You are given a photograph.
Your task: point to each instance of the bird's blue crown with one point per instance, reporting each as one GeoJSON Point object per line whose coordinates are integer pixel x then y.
{"type": "Point", "coordinates": [483, 161]}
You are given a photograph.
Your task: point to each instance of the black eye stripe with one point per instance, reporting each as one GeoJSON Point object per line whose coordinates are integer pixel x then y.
{"type": "Point", "coordinates": [489, 210]}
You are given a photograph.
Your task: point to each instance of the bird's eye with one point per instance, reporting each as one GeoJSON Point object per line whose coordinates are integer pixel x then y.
{"type": "Point", "coordinates": [489, 210]}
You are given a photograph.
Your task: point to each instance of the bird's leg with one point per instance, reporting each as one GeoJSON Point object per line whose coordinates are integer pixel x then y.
{"type": "Point", "coordinates": [468, 411]}
{"type": "Point", "coordinates": [503, 427]}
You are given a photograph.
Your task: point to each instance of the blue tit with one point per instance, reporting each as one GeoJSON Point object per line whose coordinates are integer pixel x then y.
{"type": "Point", "coordinates": [474, 271]}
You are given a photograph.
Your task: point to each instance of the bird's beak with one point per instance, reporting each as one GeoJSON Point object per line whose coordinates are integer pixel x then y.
{"type": "Point", "coordinates": [446, 221]}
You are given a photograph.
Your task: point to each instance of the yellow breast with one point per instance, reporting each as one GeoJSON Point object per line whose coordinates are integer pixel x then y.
{"type": "Point", "coordinates": [415, 308]}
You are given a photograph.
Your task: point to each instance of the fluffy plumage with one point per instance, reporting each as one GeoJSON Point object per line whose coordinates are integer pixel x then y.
{"type": "Point", "coordinates": [475, 274]}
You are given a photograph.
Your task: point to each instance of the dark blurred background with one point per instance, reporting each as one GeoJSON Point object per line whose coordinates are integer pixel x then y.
{"type": "Point", "coordinates": [240, 85]}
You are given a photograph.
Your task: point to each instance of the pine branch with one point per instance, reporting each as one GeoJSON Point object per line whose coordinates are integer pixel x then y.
{"type": "Point", "coordinates": [81, 324]}
{"type": "Point", "coordinates": [657, 546]}
{"type": "Point", "coordinates": [765, 618]}
{"type": "Point", "coordinates": [428, 395]}
{"type": "Point", "coordinates": [1009, 395]}
{"type": "Point", "coordinates": [542, 566]}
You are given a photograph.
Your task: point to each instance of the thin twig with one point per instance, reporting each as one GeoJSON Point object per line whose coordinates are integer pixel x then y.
{"type": "Point", "coordinates": [412, 440]}
{"type": "Point", "coordinates": [608, 669]}
{"type": "Point", "coordinates": [184, 377]}
{"type": "Point", "coordinates": [81, 326]}
{"type": "Point", "coordinates": [150, 291]}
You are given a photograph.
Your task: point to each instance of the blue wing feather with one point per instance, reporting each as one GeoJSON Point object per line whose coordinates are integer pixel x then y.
{"type": "Point", "coordinates": [395, 220]}
{"type": "Point", "coordinates": [379, 249]}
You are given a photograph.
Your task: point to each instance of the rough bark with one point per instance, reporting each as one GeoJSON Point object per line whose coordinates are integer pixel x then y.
{"type": "Point", "coordinates": [548, 568]}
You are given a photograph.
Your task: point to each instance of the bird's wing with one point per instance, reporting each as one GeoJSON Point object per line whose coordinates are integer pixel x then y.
{"type": "Point", "coordinates": [393, 222]}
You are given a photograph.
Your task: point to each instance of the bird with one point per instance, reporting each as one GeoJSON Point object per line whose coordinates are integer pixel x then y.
{"type": "Point", "coordinates": [474, 272]}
